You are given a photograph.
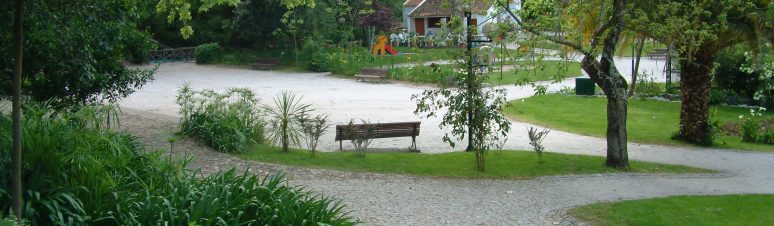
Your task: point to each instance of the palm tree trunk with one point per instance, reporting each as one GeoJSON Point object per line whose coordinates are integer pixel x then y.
{"type": "Point", "coordinates": [695, 84]}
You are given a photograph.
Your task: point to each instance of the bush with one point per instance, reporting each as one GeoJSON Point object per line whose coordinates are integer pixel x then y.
{"type": "Point", "coordinates": [647, 86]}
{"type": "Point", "coordinates": [717, 97]}
{"type": "Point", "coordinates": [228, 122]}
{"type": "Point", "coordinates": [729, 76]}
{"type": "Point", "coordinates": [79, 174]}
{"type": "Point", "coordinates": [138, 47]}
{"type": "Point", "coordinates": [424, 74]}
{"type": "Point", "coordinates": [767, 137]}
{"type": "Point", "coordinates": [342, 61]}
{"type": "Point", "coordinates": [208, 53]}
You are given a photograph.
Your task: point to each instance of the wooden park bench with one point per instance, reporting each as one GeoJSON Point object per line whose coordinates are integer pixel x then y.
{"type": "Point", "coordinates": [658, 53]}
{"type": "Point", "coordinates": [371, 74]}
{"type": "Point", "coordinates": [378, 130]}
{"type": "Point", "coordinates": [265, 63]}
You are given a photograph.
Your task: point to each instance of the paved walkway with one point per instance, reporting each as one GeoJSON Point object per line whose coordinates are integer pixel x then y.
{"type": "Point", "coordinates": [403, 200]}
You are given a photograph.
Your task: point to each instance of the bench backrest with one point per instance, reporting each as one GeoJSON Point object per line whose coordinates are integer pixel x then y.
{"type": "Point", "coordinates": [659, 51]}
{"type": "Point", "coordinates": [378, 130]}
{"type": "Point", "coordinates": [374, 71]}
{"type": "Point", "coordinates": [266, 61]}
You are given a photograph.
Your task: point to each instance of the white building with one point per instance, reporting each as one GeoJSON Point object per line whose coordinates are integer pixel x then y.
{"type": "Point", "coordinates": [425, 16]}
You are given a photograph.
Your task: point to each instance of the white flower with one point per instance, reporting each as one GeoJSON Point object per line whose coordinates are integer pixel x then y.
{"type": "Point", "coordinates": [762, 108]}
{"type": "Point", "coordinates": [741, 116]}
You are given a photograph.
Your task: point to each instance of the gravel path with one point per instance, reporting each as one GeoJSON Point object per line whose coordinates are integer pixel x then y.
{"type": "Point", "coordinates": [403, 200]}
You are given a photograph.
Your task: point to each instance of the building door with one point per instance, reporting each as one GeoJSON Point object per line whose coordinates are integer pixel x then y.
{"type": "Point", "coordinates": [473, 22]}
{"type": "Point", "coordinates": [419, 24]}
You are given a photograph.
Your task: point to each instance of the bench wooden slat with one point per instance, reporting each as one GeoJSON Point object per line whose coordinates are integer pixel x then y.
{"type": "Point", "coordinates": [265, 63]}
{"type": "Point", "coordinates": [380, 130]}
{"type": "Point", "coordinates": [371, 74]}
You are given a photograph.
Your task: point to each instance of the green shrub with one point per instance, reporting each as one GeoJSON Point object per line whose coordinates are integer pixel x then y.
{"type": "Point", "coordinates": [767, 137]}
{"type": "Point", "coordinates": [342, 61]}
{"type": "Point", "coordinates": [423, 74]}
{"type": "Point", "coordinates": [80, 174]}
{"type": "Point", "coordinates": [138, 47]}
{"type": "Point", "coordinates": [228, 122]}
{"type": "Point", "coordinates": [228, 198]}
{"type": "Point", "coordinates": [717, 97]}
{"type": "Point", "coordinates": [208, 53]}
{"type": "Point", "coordinates": [76, 172]}
{"type": "Point", "coordinates": [647, 86]}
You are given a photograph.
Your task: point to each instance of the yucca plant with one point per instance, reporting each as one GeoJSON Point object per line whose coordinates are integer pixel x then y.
{"type": "Point", "coordinates": [285, 119]}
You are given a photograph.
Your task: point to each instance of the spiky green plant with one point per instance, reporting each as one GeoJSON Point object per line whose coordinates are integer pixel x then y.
{"type": "Point", "coordinates": [285, 118]}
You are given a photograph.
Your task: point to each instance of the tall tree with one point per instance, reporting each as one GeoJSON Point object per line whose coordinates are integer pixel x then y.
{"type": "Point", "coordinates": [78, 47]}
{"type": "Point", "coordinates": [598, 46]}
{"type": "Point", "coordinates": [705, 27]}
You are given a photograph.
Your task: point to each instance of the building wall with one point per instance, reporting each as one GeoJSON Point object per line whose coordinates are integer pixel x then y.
{"type": "Point", "coordinates": [407, 22]}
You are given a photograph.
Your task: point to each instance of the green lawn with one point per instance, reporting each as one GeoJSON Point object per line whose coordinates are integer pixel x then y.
{"type": "Point", "coordinates": [412, 55]}
{"type": "Point", "coordinates": [628, 51]}
{"type": "Point", "coordinates": [546, 70]}
{"type": "Point", "coordinates": [682, 210]}
{"type": "Point", "coordinates": [648, 121]}
{"type": "Point", "coordinates": [502, 164]}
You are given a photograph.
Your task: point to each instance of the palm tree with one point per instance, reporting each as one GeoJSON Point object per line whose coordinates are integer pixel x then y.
{"type": "Point", "coordinates": [705, 28]}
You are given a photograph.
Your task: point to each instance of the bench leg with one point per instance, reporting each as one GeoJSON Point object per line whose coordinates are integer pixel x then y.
{"type": "Point", "coordinates": [414, 143]}
{"type": "Point", "coordinates": [340, 144]}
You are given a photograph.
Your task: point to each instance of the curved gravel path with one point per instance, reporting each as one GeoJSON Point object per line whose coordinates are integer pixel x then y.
{"type": "Point", "coordinates": [403, 200]}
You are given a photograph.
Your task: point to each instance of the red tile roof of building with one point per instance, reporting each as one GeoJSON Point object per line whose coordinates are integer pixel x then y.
{"type": "Point", "coordinates": [444, 8]}
{"type": "Point", "coordinates": [412, 3]}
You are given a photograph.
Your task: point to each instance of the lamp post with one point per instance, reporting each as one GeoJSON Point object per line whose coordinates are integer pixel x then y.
{"type": "Point", "coordinates": [469, 78]}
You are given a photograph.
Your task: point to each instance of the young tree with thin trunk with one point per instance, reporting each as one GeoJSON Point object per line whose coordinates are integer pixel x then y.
{"type": "Point", "coordinates": [597, 46]}
{"type": "Point", "coordinates": [17, 152]}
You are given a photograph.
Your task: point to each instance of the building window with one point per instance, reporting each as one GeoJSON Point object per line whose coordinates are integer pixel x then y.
{"type": "Point", "coordinates": [435, 22]}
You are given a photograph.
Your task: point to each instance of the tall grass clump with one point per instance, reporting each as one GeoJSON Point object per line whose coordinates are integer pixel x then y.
{"type": "Point", "coordinates": [81, 174]}
{"type": "Point", "coordinates": [228, 121]}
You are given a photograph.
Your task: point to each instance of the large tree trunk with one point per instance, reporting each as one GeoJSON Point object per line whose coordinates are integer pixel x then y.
{"type": "Point", "coordinates": [606, 75]}
{"type": "Point", "coordinates": [614, 86]}
{"type": "Point", "coordinates": [695, 84]}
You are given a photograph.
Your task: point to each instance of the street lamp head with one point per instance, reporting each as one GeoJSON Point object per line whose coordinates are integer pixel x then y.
{"type": "Point", "coordinates": [465, 6]}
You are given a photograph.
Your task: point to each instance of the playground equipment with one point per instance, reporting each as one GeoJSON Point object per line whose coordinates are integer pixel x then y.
{"type": "Point", "coordinates": [381, 47]}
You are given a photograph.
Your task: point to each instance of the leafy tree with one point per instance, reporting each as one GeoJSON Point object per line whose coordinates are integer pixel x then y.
{"type": "Point", "coordinates": [705, 28]}
{"type": "Point", "coordinates": [255, 22]}
{"type": "Point", "coordinates": [378, 17]}
{"type": "Point", "coordinates": [180, 10]}
{"type": "Point", "coordinates": [597, 43]}
{"type": "Point", "coordinates": [467, 97]}
{"type": "Point", "coordinates": [77, 47]}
